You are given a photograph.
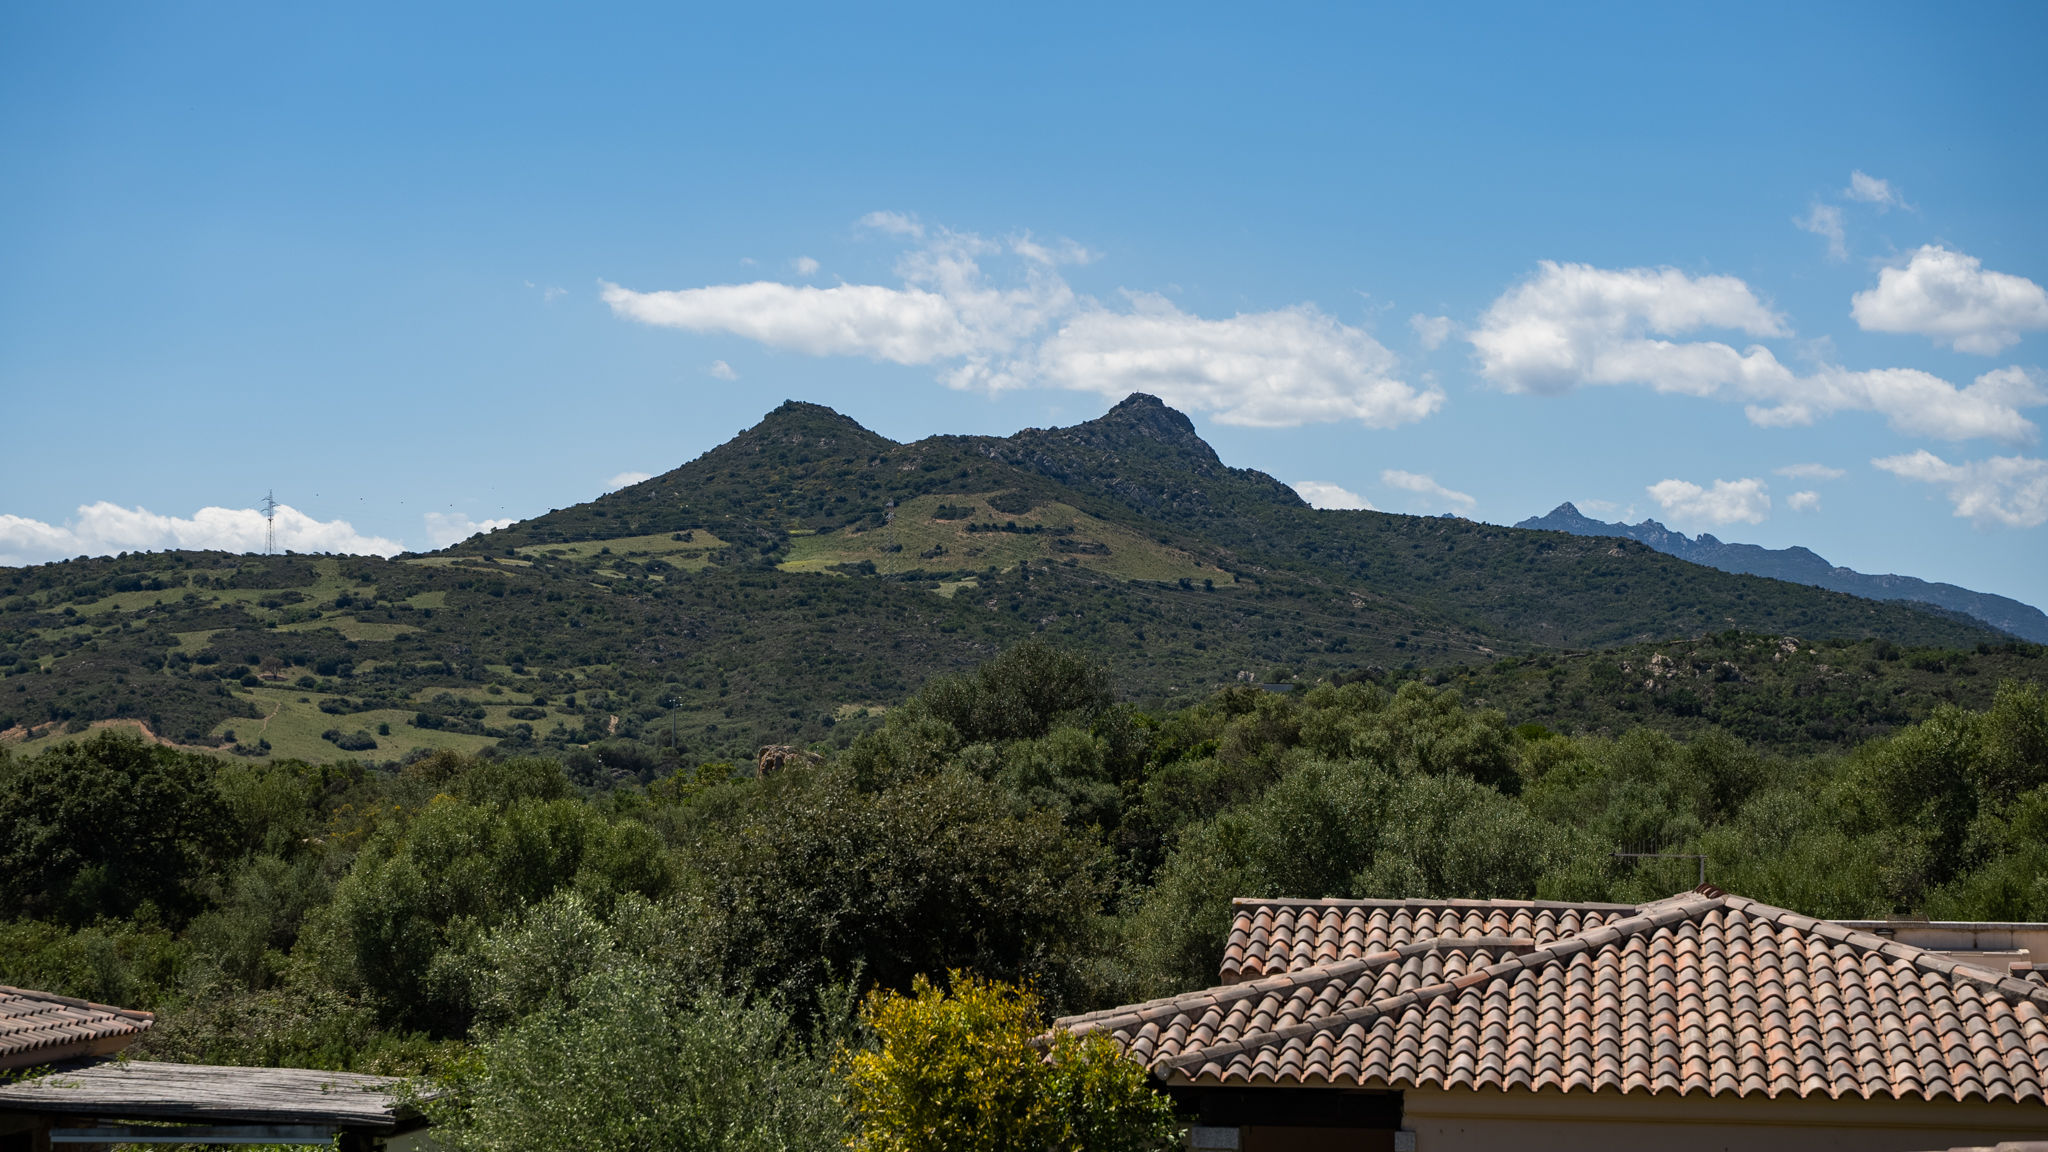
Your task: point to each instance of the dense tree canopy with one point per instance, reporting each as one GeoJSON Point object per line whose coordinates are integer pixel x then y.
{"type": "Point", "coordinates": [663, 953]}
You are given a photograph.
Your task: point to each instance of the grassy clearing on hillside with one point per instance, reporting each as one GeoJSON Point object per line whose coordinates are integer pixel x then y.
{"type": "Point", "coordinates": [292, 722]}
{"type": "Point", "coordinates": [690, 554]}
{"type": "Point", "coordinates": [194, 642]}
{"type": "Point", "coordinates": [350, 628]}
{"type": "Point", "coordinates": [916, 539]}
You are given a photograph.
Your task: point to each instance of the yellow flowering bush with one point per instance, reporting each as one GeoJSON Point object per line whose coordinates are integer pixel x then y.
{"type": "Point", "coordinates": [958, 1071]}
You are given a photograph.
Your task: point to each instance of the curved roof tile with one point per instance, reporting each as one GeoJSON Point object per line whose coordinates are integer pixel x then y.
{"type": "Point", "coordinates": [1703, 994]}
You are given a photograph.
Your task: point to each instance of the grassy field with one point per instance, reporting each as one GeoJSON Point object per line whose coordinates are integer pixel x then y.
{"type": "Point", "coordinates": [292, 722]}
{"type": "Point", "coordinates": [917, 539]}
{"type": "Point", "coordinates": [352, 628]}
{"type": "Point", "coordinates": [689, 554]}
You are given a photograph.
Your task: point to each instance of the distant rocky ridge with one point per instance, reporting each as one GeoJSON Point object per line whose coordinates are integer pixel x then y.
{"type": "Point", "coordinates": [1802, 566]}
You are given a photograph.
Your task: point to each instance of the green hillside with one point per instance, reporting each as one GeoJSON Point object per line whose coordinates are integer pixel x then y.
{"type": "Point", "coordinates": [785, 585]}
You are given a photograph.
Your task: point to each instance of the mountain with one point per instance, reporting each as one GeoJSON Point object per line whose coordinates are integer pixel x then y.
{"type": "Point", "coordinates": [1802, 566]}
{"type": "Point", "coordinates": [786, 585]}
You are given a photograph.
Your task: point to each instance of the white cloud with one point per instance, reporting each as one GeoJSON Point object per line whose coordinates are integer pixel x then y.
{"type": "Point", "coordinates": [1266, 369]}
{"type": "Point", "coordinates": [894, 223]}
{"type": "Point", "coordinates": [1572, 325]}
{"type": "Point", "coordinates": [805, 266]}
{"type": "Point", "coordinates": [2008, 490]}
{"type": "Point", "coordinates": [1432, 331]}
{"type": "Point", "coordinates": [1330, 497]}
{"type": "Point", "coordinates": [721, 370]}
{"type": "Point", "coordinates": [1825, 220]}
{"type": "Point", "coordinates": [1284, 367]}
{"type": "Point", "coordinates": [1912, 401]}
{"type": "Point", "coordinates": [622, 480]}
{"type": "Point", "coordinates": [1869, 189]}
{"type": "Point", "coordinates": [1808, 501]}
{"type": "Point", "coordinates": [1434, 494]}
{"type": "Point", "coordinates": [1057, 252]}
{"type": "Point", "coordinates": [1727, 502]}
{"type": "Point", "coordinates": [1810, 472]}
{"type": "Point", "coordinates": [907, 326]}
{"type": "Point", "coordinates": [449, 528]}
{"type": "Point", "coordinates": [104, 528]}
{"type": "Point", "coordinates": [1950, 298]}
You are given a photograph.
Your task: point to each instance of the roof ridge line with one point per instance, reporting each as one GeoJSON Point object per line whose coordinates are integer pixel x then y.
{"type": "Point", "coordinates": [1293, 978]}
{"type": "Point", "coordinates": [1922, 958]}
{"type": "Point", "coordinates": [75, 1002]}
{"type": "Point", "coordinates": [1665, 912]}
{"type": "Point", "coordinates": [1424, 901]}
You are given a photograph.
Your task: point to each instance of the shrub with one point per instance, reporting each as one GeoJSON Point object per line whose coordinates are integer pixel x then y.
{"type": "Point", "coordinates": [966, 1072]}
{"type": "Point", "coordinates": [611, 1046]}
{"type": "Point", "coordinates": [357, 741]}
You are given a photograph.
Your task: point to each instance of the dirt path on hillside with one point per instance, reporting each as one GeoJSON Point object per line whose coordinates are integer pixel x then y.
{"type": "Point", "coordinates": [19, 733]}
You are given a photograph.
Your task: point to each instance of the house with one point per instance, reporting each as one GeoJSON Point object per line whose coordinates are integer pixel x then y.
{"type": "Point", "coordinates": [85, 1099]}
{"type": "Point", "coordinates": [1705, 1021]}
{"type": "Point", "coordinates": [39, 1028]}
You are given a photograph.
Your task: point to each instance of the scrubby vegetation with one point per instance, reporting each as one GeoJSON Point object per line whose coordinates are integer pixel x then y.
{"type": "Point", "coordinates": [492, 816]}
{"type": "Point", "coordinates": [790, 583]}
{"type": "Point", "coordinates": [632, 964]}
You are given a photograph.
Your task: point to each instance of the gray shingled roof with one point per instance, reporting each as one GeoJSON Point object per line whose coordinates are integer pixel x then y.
{"type": "Point", "coordinates": [203, 1092]}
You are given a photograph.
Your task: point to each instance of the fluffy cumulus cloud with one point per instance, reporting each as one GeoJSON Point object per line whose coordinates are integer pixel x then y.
{"type": "Point", "coordinates": [1952, 299]}
{"type": "Point", "coordinates": [720, 370]}
{"type": "Point", "coordinates": [1808, 501]}
{"type": "Point", "coordinates": [1268, 369]}
{"type": "Point", "coordinates": [2007, 490]}
{"type": "Point", "coordinates": [1330, 497]}
{"type": "Point", "coordinates": [105, 528]}
{"type": "Point", "coordinates": [625, 480]}
{"type": "Point", "coordinates": [1573, 325]}
{"type": "Point", "coordinates": [1284, 367]}
{"type": "Point", "coordinates": [1433, 494]}
{"type": "Point", "coordinates": [804, 266]}
{"type": "Point", "coordinates": [1727, 502]}
{"type": "Point", "coordinates": [447, 528]}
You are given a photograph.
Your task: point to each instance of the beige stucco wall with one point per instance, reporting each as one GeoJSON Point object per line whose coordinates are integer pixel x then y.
{"type": "Point", "coordinates": [1581, 1121]}
{"type": "Point", "coordinates": [1986, 944]}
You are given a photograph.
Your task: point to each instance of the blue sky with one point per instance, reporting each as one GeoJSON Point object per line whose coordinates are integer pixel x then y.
{"type": "Point", "coordinates": [1775, 275]}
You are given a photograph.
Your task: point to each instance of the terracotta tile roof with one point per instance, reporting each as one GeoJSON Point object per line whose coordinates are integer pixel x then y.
{"type": "Point", "coordinates": [39, 1028]}
{"type": "Point", "coordinates": [1704, 993]}
{"type": "Point", "coordinates": [1277, 935]}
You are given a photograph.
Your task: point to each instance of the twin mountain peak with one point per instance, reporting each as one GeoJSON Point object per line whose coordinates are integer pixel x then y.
{"type": "Point", "coordinates": [1137, 495]}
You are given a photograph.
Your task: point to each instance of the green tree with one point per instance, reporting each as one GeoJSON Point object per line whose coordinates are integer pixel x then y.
{"type": "Point", "coordinates": [601, 1035]}
{"type": "Point", "coordinates": [103, 826]}
{"type": "Point", "coordinates": [405, 921]}
{"type": "Point", "coordinates": [811, 880]}
{"type": "Point", "coordinates": [1019, 694]}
